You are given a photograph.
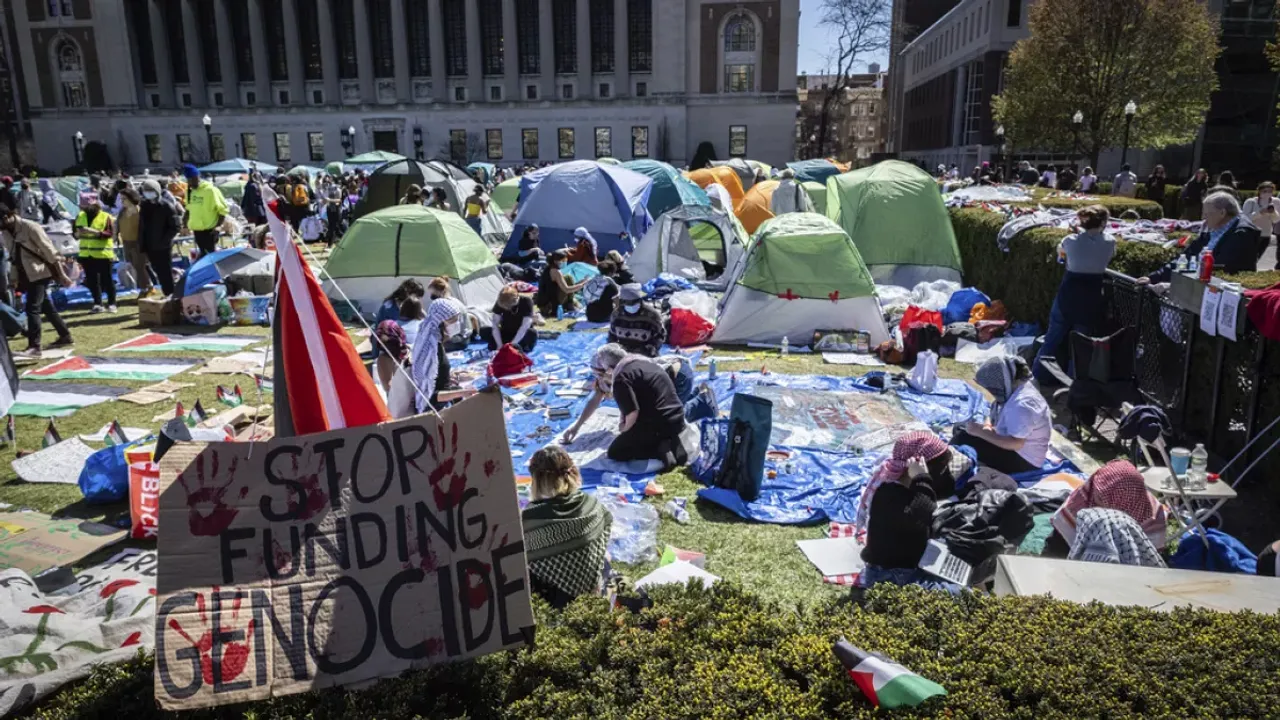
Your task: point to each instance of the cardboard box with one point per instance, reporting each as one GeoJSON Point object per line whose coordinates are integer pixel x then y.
{"type": "Point", "coordinates": [156, 312]}
{"type": "Point", "coordinates": [34, 542]}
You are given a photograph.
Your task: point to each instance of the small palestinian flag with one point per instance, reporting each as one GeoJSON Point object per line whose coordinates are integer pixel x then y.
{"type": "Point", "coordinates": [115, 434]}
{"type": "Point", "coordinates": [197, 415]}
{"type": "Point", "coordinates": [179, 411]}
{"type": "Point", "coordinates": [230, 398]}
{"type": "Point", "coordinates": [885, 683]}
{"type": "Point", "coordinates": [51, 436]}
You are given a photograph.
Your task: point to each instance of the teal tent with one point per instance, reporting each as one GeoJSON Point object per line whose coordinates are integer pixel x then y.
{"type": "Point", "coordinates": [671, 189]}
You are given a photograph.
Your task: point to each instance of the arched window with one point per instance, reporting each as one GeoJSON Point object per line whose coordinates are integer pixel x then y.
{"type": "Point", "coordinates": [739, 55]}
{"type": "Point", "coordinates": [70, 64]}
{"type": "Point", "coordinates": [740, 34]}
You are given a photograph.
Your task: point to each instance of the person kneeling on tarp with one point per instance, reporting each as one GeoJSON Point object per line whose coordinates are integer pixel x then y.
{"type": "Point", "coordinates": [899, 516]}
{"type": "Point", "coordinates": [652, 414]}
{"type": "Point", "coordinates": [1018, 439]}
{"type": "Point", "coordinates": [566, 531]}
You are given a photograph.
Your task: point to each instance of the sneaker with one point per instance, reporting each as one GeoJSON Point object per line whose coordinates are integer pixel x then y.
{"type": "Point", "coordinates": [113, 309]}
{"type": "Point", "coordinates": [96, 309]}
{"type": "Point", "coordinates": [34, 353]}
{"type": "Point", "coordinates": [63, 341]}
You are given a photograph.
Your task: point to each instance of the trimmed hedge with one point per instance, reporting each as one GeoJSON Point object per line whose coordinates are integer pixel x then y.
{"type": "Point", "coordinates": [723, 653]}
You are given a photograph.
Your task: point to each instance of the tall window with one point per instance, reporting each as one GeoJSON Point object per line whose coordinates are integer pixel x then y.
{"type": "Point", "coordinates": [277, 56]}
{"type": "Point", "coordinates": [153, 149]}
{"type": "Point", "coordinates": [419, 31]}
{"type": "Point", "coordinates": [604, 142]}
{"type": "Point", "coordinates": [283, 153]}
{"type": "Point", "coordinates": [458, 146]}
{"type": "Point", "coordinates": [139, 13]}
{"type": "Point", "coordinates": [184, 148]}
{"type": "Point", "coordinates": [640, 141]}
{"type": "Point", "coordinates": [207, 29]}
{"type": "Point", "coordinates": [601, 36]}
{"type": "Point", "coordinates": [1014, 18]}
{"type": "Point", "coordinates": [384, 56]}
{"type": "Point", "coordinates": [527, 41]}
{"type": "Point", "coordinates": [217, 148]}
{"type": "Point", "coordinates": [737, 140]}
{"type": "Point", "coordinates": [309, 34]}
{"type": "Point", "coordinates": [315, 146]}
{"type": "Point", "coordinates": [172, 19]}
{"type": "Point", "coordinates": [566, 144]}
{"type": "Point", "coordinates": [491, 47]}
{"type": "Point", "coordinates": [60, 7]}
{"type": "Point", "coordinates": [740, 54]}
{"type": "Point", "coordinates": [454, 15]}
{"type": "Point", "coordinates": [249, 146]}
{"type": "Point", "coordinates": [564, 22]}
{"type": "Point", "coordinates": [238, 16]}
{"type": "Point", "coordinates": [344, 31]}
{"type": "Point", "coordinates": [640, 35]}
{"type": "Point", "coordinates": [529, 143]}
{"type": "Point", "coordinates": [740, 34]}
{"type": "Point", "coordinates": [493, 144]}
{"type": "Point", "coordinates": [739, 78]}
{"type": "Point", "coordinates": [71, 74]}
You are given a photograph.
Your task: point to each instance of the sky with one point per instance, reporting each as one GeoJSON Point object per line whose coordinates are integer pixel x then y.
{"type": "Point", "coordinates": [814, 42]}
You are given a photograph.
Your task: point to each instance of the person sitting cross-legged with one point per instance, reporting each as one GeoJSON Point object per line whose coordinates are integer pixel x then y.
{"type": "Point", "coordinates": [566, 531]}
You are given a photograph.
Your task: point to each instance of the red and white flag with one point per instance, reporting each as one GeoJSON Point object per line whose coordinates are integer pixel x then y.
{"type": "Point", "coordinates": [323, 379]}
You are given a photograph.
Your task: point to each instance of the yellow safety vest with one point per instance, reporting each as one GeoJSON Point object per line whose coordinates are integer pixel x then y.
{"type": "Point", "coordinates": [98, 248]}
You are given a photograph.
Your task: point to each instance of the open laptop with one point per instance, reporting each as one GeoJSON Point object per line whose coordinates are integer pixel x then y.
{"type": "Point", "coordinates": [938, 560]}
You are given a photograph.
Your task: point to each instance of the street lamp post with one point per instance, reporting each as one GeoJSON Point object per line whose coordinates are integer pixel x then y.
{"type": "Point", "coordinates": [417, 141]}
{"type": "Point", "coordinates": [351, 133]}
{"type": "Point", "coordinates": [1130, 109]}
{"type": "Point", "coordinates": [208, 135]}
{"type": "Point", "coordinates": [1004, 158]}
{"type": "Point", "coordinates": [77, 142]}
{"type": "Point", "coordinates": [1076, 121]}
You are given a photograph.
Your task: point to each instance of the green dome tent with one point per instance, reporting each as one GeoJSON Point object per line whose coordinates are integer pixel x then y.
{"type": "Point", "coordinates": [817, 195]}
{"type": "Point", "coordinates": [894, 214]}
{"type": "Point", "coordinates": [801, 274]}
{"type": "Point", "coordinates": [385, 248]}
{"type": "Point", "coordinates": [505, 194]}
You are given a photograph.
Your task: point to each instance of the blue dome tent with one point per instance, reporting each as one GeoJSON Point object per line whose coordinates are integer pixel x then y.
{"type": "Point", "coordinates": [607, 200]}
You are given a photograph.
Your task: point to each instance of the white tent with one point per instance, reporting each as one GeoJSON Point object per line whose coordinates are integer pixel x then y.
{"type": "Point", "coordinates": [686, 237]}
{"type": "Point", "coordinates": [801, 274]}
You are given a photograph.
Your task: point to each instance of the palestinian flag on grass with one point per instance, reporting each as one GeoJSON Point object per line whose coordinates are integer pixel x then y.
{"type": "Point", "coordinates": [55, 399]}
{"type": "Point", "coordinates": [105, 368]}
{"type": "Point", "coordinates": [160, 342]}
{"type": "Point", "coordinates": [197, 414]}
{"type": "Point", "coordinates": [51, 436]}
{"type": "Point", "coordinates": [885, 683]}
{"type": "Point", "coordinates": [229, 397]}
{"type": "Point", "coordinates": [115, 434]}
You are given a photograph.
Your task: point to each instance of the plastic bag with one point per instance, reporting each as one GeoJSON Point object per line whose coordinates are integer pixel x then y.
{"type": "Point", "coordinates": [105, 477]}
{"type": "Point", "coordinates": [634, 537]}
{"type": "Point", "coordinates": [697, 301]}
{"type": "Point", "coordinates": [933, 295]}
{"type": "Point", "coordinates": [688, 328]}
{"type": "Point", "coordinates": [924, 376]}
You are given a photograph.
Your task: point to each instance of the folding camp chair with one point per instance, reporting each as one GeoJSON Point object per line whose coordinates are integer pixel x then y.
{"type": "Point", "coordinates": [1101, 380]}
{"type": "Point", "coordinates": [1165, 484]}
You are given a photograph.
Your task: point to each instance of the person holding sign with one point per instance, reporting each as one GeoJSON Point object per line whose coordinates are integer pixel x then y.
{"type": "Point", "coordinates": [566, 531]}
{"type": "Point", "coordinates": [652, 414]}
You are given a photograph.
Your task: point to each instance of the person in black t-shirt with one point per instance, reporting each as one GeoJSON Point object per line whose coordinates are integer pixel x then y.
{"type": "Point", "coordinates": [512, 322]}
{"type": "Point", "coordinates": [652, 414]}
{"type": "Point", "coordinates": [601, 292]}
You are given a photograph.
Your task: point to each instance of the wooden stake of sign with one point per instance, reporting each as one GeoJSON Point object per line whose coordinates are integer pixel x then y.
{"type": "Point", "coordinates": [336, 558]}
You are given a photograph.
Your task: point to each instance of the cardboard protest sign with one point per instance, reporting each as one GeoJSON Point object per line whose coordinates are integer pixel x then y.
{"type": "Point", "coordinates": [339, 557]}
{"type": "Point", "coordinates": [34, 542]}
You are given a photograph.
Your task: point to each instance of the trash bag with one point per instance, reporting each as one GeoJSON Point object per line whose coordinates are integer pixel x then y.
{"type": "Point", "coordinates": [634, 536]}
{"type": "Point", "coordinates": [688, 328]}
{"type": "Point", "coordinates": [105, 476]}
{"type": "Point", "coordinates": [697, 301]}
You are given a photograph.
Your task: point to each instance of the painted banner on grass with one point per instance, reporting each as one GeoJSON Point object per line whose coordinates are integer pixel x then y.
{"type": "Point", "coordinates": [54, 399]}
{"type": "Point", "coordinates": [337, 557]}
{"type": "Point", "coordinates": [105, 368]}
{"type": "Point", "coordinates": [161, 342]}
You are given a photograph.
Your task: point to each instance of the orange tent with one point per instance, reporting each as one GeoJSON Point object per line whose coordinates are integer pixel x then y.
{"type": "Point", "coordinates": [723, 175]}
{"type": "Point", "coordinates": [755, 206]}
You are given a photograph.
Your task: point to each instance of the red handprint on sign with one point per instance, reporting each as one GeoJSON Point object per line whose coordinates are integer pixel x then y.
{"type": "Point", "coordinates": [310, 482]}
{"type": "Point", "coordinates": [235, 656]}
{"type": "Point", "coordinates": [447, 496]}
{"type": "Point", "coordinates": [209, 514]}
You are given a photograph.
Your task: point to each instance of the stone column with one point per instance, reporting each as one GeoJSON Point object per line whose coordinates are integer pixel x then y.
{"type": "Point", "coordinates": [293, 53]}
{"type": "Point", "coordinates": [584, 51]}
{"type": "Point", "coordinates": [364, 52]}
{"type": "Point", "coordinates": [621, 51]}
{"type": "Point", "coordinates": [511, 52]}
{"type": "Point", "coordinates": [435, 45]}
{"type": "Point", "coordinates": [400, 41]}
{"type": "Point", "coordinates": [546, 51]}
{"type": "Point", "coordinates": [226, 55]}
{"type": "Point", "coordinates": [195, 58]}
{"type": "Point", "coordinates": [328, 53]}
{"type": "Point", "coordinates": [475, 66]}
{"type": "Point", "coordinates": [160, 53]}
{"type": "Point", "coordinates": [258, 40]}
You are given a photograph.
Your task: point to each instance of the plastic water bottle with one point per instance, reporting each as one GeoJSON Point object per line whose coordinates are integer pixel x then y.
{"type": "Point", "coordinates": [711, 372]}
{"type": "Point", "coordinates": [1193, 266]}
{"type": "Point", "coordinates": [1197, 475]}
{"type": "Point", "coordinates": [1182, 263]}
{"type": "Point", "coordinates": [786, 346]}
{"type": "Point", "coordinates": [559, 312]}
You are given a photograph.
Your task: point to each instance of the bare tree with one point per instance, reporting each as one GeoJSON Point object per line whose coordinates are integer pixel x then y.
{"type": "Point", "coordinates": [861, 27]}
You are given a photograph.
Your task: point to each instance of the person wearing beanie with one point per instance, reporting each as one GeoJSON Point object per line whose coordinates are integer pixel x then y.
{"type": "Point", "coordinates": [157, 227]}
{"type": "Point", "coordinates": [206, 208]}
{"type": "Point", "coordinates": [637, 325]}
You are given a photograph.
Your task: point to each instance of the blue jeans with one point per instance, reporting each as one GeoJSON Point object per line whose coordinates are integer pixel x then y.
{"type": "Point", "coordinates": [696, 407]}
{"type": "Point", "coordinates": [1055, 338]}
{"type": "Point", "coordinates": [475, 225]}
{"type": "Point", "coordinates": [873, 574]}
{"type": "Point", "coordinates": [1077, 306]}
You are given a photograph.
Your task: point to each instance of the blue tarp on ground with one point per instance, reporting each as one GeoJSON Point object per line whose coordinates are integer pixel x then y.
{"type": "Point", "coordinates": [670, 188]}
{"type": "Point", "coordinates": [607, 200]}
{"type": "Point", "coordinates": [821, 486]}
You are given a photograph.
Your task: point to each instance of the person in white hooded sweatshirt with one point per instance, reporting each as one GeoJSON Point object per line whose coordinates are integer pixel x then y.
{"type": "Point", "coordinates": [789, 196]}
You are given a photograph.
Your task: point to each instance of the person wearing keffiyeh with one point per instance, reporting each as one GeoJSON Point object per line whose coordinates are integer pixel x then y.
{"type": "Point", "coordinates": [430, 364]}
{"type": "Point", "coordinates": [566, 531]}
{"type": "Point", "coordinates": [1017, 439]}
{"type": "Point", "coordinates": [396, 382]}
{"type": "Point", "coordinates": [1115, 486]}
{"type": "Point", "coordinates": [1112, 536]}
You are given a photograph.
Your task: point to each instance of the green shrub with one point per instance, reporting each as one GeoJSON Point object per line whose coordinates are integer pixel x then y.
{"type": "Point", "coordinates": [722, 653]}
